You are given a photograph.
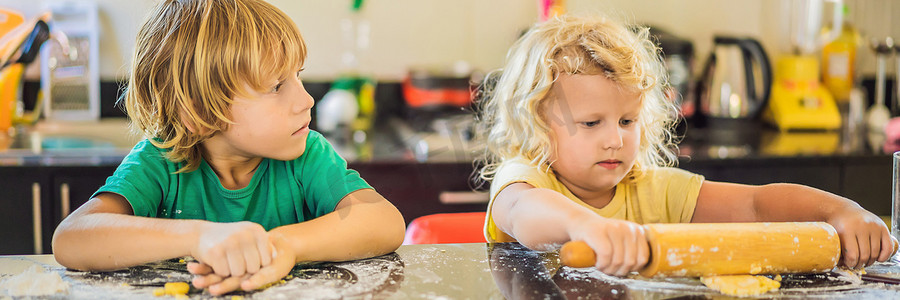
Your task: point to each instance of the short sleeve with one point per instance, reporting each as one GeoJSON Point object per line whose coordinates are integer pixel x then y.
{"type": "Point", "coordinates": [324, 176]}
{"type": "Point", "coordinates": [142, 178]}
{"type": "Point", "coordinates": [509, 172]}
{"type": "Point", "coordinates": [682, 190]}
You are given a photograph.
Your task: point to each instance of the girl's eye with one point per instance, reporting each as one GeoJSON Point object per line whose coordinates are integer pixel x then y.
{"type": "Point", "coordinates": [591, 123]}
{"type": "Point", "coordinates": [626, 122]}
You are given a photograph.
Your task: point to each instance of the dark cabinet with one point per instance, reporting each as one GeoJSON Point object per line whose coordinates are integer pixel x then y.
{"type": "Point", "coordinates": [864, 179]}
{"type": "Point", "coordinates": [72, 187]}
{"type": "Point", "coordinates": [35, 199]}
{"type": "Point", "coordinates": [419, 189]}
{"type": "Point", "coordinates": [24, 211]}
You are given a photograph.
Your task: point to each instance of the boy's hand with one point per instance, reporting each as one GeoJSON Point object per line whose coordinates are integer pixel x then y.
{"type": "Point", "coordinates": [233, 249]}
{"type": "Point", "coordinates": [621, 246]}
{"type": "Point", "coordinates": [864, 238]}
{"type": "Point", "coordinates": [281, 265]}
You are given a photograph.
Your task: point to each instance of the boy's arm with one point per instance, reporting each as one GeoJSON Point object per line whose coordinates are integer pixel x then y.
{"type": "Point", "coordinates": [864, 237]}
{"type": "Point", "coordinates": [104, 235]}
{"type": "Point", "coordinates": [543, 219]}
{"type": "Point", "coordinates": [363, 224]}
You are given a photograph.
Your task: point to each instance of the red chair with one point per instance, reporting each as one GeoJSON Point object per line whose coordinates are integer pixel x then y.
{"type": "Point", "coordinates": [448, 228]}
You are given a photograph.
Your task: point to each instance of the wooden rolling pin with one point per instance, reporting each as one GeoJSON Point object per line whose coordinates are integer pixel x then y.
{"type": "Point", "coordinates": [728, 248]}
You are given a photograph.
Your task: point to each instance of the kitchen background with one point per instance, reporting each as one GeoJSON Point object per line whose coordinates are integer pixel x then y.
{"type": "Point", "coordinates": [408, 33]}
{"type": "Point", "coordinates": [420, 156]}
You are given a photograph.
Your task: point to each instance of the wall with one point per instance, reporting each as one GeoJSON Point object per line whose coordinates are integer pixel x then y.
{"type": "Point", "coordinates": [435, 32]}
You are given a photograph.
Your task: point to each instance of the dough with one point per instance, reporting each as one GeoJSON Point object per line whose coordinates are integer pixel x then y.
{"type": "Point", "coordinates": [34, 282]}
{"type": "Point", "coordinates": [741, 285]}
{"type": "Point", "coordinates": [177, 289]}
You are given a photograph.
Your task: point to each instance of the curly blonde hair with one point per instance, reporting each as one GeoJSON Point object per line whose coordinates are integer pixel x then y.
{"type": "Point", "coordinates": [192, 57]}
{"type": "Point", "coordinates": [512, 120]}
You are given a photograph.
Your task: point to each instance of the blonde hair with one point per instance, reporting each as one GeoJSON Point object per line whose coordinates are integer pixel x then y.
{"type": "Point", "coordinates": [192, 57]}
{"type": "Point", "coordinates": [512, 101]}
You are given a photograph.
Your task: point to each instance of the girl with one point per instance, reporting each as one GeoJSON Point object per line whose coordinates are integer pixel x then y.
{"type": "Point", "coordinates": [580, 147]}
{"type": "Point", "coordinates": [230, 172]}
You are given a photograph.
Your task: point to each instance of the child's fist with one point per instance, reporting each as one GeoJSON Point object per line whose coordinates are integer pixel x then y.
{"type": "Point", "coordinates": [233, 249]}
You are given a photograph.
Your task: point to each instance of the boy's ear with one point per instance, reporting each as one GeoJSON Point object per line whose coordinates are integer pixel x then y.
{"type": "Point", "coordinates": [190, 125]}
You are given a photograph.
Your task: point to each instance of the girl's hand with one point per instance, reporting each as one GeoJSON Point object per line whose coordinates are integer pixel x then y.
{"type": "Point", "coordinates": [233, 249]}
{"type": "Point", "coordinates": [281, 265]}
{"type": "Point", "coordinates": [864, 238]}
{"type": "Point", "coordinates": [620, 246]}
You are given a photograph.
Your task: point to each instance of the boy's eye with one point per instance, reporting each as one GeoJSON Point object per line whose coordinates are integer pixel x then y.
{"type": "Point", "coordinates": [277, 87]}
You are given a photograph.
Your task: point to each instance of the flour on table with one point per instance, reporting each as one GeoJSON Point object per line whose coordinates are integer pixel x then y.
{"type": "Point", "coordinates": [35, 281]}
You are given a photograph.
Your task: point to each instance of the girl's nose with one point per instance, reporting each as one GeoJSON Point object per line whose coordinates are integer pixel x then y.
{"type": "Point", "coordinates": [612, 138]}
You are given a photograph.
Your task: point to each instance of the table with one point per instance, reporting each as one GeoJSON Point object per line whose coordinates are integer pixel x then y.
{"type": "Point", "coordinates": [446, 271]}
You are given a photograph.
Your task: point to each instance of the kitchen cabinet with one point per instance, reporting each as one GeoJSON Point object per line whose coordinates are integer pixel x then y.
{"type": "Point", "coordinates": [24, 210]}
{"type": "Point", "coordinates": [36, 198]}
{"type": "Point", "coordinates": [864, 179]}
{"type": "Point", "coordinates": [419, 189]}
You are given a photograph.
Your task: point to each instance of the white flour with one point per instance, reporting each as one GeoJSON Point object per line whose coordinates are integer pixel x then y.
{"type": "Point", "coordinates": [34, 282]}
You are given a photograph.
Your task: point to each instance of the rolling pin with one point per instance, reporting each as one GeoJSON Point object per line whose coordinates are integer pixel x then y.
{"type": "Point", "coordinates": [696, 250]}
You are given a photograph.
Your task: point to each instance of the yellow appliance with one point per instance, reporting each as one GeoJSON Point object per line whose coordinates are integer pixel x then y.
{"type": "Point", "coordinates": [798, 100]}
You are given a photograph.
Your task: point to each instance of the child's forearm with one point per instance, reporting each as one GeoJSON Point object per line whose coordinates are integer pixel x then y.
{"type": "Point", "coordinates": [108, 241]}
{"type": "Point", "coordinates": [793, 202]}
{"type": "Point", "coordinates": [358, 231]}
{"type": "Point", "coordinates": [540, 219]}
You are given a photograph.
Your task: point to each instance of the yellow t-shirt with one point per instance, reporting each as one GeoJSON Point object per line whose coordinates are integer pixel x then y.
{"type": "Point", "coordinates": [662, 195]}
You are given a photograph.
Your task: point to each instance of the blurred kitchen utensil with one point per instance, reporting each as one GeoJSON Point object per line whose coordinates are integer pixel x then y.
{"type": "Point", "coordinates": [11, 33]}
{"type": "Point", "coordinates": [433, 88]}
{"type": "Point", "coordinates": [799, 99]}
{"type": "Point", "coordinates": [878, 114]}
{"type": "Point", "coordinates": [70, 70]}
{"type": "Point", "coordinates": [895, 197]}
{"type": "Point", "coordinates": [806, 24]}
{"type": "Point", "coordinates": [730, 87]}
{"type": "Point", "coordinates": [12, 73]}
{"type": "Point", "coordinates": [678, 54]}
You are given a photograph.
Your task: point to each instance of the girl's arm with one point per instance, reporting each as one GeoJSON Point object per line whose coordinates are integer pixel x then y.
{"type": "Point", "coordinates": [543, 219]}
{"type": "Point", "coordinates": [864, 237]}
{"type": "Point", "coordinates": [103, 234]}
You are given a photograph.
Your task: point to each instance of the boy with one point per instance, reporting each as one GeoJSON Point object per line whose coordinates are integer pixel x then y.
{"type": "Point", "coordinates": [230, 172]}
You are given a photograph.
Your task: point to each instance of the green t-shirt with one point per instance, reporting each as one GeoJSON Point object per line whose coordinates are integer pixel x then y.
{"type": "Point", "coordinates": [280, 192]}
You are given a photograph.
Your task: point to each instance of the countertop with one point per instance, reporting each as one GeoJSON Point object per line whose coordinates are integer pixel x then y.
{"type": "Point", "coordinates": [394, 141]}
{"type": "Point", "coordinates": [448, 271]}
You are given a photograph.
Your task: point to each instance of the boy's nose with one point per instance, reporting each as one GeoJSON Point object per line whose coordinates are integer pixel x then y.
{"type": "Point", "coordinates": [305, 103]}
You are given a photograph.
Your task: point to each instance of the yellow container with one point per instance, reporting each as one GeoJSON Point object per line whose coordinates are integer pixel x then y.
{"type": "Point", "coordinates": [839, 63]}
{"type": "Point", "coordinates": [10, 82]}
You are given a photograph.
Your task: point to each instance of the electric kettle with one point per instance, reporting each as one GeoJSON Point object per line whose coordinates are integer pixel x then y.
{"type": "Point", "coordinates": [736, 80]}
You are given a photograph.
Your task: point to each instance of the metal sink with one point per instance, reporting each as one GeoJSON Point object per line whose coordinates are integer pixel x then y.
{"type": "Point", "coordinates": [71, 139]}
{"type": "Point", "coordinates": [65, 142]}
